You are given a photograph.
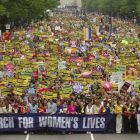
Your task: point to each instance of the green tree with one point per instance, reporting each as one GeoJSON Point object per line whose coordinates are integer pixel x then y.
{"type": "Point", "coordinates": [23, 9]}
{"type": "Point", "coordinates": [138, 7]}
{"type": "Point", "coordinates": [123, 8]}
{"type": "Point", "coordinates": [51, 4]}
{"type": "Point", "coordinates": [2, 10]}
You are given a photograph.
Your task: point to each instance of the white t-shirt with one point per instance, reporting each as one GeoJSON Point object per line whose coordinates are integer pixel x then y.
{"type": "Point", "coordinates": [89, 111]}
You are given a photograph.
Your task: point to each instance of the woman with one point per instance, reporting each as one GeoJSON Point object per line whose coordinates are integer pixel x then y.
{"type": "Point", "coordinates": [64, 107]}
{"type": "Point", "coordinates": [24, 108]}
{"type": "Point", "coordinates": [1, 110]}
{"type": "Point", "coordinates": [40, 108]}
{"type": "Point", "coordinates": [33, 107]}
{"type": "Point", "coordinates": [59, 107]}
{"type": "Point", "coordinates": [97, 107]}
{"type": "Point", "coordinates": [15, 108]}
{"type": "Point", "coordinates": [126, 117]}
{"type": "Point", "coordinates": [6, 108]}
{"type": "Point", "coordinates": [105, 108]}
{"type": "Point", "coordinates": [89, 109]}
{"type": "Point", "coordinates": [118, 111]}
{"type": "Point", "coordinates": [133, 117]}
{"type": "Point", "coordinates": [80, 107]}
{"type": "Point", "coordinates": [71, 109]}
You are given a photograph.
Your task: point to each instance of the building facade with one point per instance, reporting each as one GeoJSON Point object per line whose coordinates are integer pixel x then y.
{"type": "Point", "coordinates": [71, 3]}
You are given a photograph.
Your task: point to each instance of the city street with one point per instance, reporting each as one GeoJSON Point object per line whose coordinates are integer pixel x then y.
{"type": "Point", "coordinates": [72, 137]}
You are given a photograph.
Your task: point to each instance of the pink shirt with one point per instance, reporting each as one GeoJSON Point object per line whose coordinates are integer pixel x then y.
{"type": "Point", "coordinates": [71, 109]}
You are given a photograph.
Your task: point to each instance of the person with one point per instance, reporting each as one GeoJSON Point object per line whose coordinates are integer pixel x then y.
{"type": "Point", "coordinates": [97, 107]}
{"type": "Point", "coordinates": [78, 107]}
{"type": "Point", "coordinates": [40, 108]}
{"type": "Point", "coordinates": [2, 108]}
{"type": "Point", "coordinates": [126, 117]}
{"type": "Point", "coordinates": [64, 107]}
{"type": "Point", "coordinates": [51, 107]}
{"type": "Point", "coordinates": [71, 109]}
{"type": "Point", "coordinates": [105, 107]}
{"type": "Point", "coordinates": [33, 107]}
{"type": "Point", "coordinates": [89, 109]}
{"type": "Point", "coordinates": [59, 107]}
{"type": "Point", "coordinates": [24, 108]}
{"type": "Point", "coordinates": [15, 108]}
{"type": "Point", "coordinates": [138, 118]}
{"type": "Point", "coordinates": [118, 108]}
{"type": "Point", "coordinates": [133, 118]}
{"type": "Point", "coordinates": [6, 107]}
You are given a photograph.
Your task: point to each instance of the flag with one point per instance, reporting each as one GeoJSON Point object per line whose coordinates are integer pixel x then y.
{"type": "Point", "coordinates": [87, 33]}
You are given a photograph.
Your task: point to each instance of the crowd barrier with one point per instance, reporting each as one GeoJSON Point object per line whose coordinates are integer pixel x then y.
{"type": "Point", "coordinates": [63, 122]}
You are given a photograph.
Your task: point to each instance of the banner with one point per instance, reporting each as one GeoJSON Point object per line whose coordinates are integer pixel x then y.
{"type": "Point", "coordinates": [121, 68]}
{"type": "Point", "coordinates": [62, 65]}
{"type": "Point", "coordinates": [131, 74]}
{"type": "Point", "coordinates": [137, 86]}
{"type": "Point", "coordinates": [32, 122]}
{"type": "Point", "coordinates": [27, 71]}
{"type": "Point", "coordinates": [41, 66]}
{"type": "Point", "coordinates": [116, 77]}
{"type": "Point", "coordinates": [125, 87]}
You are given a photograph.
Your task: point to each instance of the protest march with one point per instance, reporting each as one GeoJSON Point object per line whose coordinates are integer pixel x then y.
{"type": "Point", "coordinates": [74, 72]}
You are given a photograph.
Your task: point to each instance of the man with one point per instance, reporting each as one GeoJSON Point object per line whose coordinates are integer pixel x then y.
{"type": "Point", "coordinates": [51, 107]}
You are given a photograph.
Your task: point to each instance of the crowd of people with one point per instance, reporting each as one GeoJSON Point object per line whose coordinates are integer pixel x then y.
{"type": "Point", "coordinates": [56, 67]}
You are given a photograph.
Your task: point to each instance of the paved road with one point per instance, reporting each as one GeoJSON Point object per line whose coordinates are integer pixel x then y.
{"type": "Point", "coordinates": [72, 137]}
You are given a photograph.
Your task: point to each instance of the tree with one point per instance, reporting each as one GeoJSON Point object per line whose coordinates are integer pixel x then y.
{"type": "Point", "coordinates": [51, 4]}
{"type": "Point", "coordinates": [17, 10]}
{"type": "Point", "coordinates": [123, 8]}
{"type": "Point", "coordinates": [138, 8]}
{"type": "Point", "coordinates": [2, 10]}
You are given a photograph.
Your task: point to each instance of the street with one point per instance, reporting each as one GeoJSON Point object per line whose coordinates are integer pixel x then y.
{"type": "Point", "coordinates": [73, 137]}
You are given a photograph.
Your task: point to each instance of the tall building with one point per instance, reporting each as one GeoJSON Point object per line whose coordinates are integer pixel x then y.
{"type": "Point", "coordinates": [71, 3]}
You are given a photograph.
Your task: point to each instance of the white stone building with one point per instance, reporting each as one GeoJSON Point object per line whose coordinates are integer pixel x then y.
{"type": "Point", "coordinates": [71, 3]}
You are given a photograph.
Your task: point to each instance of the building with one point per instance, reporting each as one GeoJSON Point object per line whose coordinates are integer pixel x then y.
{"type": "Point", "coordinates": [71, 3]}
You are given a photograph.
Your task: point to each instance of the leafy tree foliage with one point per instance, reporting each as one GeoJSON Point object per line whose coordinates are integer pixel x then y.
{"type": "Point", "coordinates": [16, 10]}
{"type": "Point", "coordinates": [2, 10]}
{"type": "Point", "coordinates": [123, 8]}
